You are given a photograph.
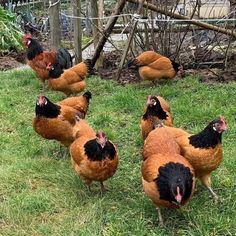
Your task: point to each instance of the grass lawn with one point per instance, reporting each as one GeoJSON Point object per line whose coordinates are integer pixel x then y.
{"type": "Point", "coordinates": [40, 194]}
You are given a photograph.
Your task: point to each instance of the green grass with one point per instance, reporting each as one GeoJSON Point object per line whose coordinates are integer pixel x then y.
{"type": "Point", "coordinates": [40, 193]}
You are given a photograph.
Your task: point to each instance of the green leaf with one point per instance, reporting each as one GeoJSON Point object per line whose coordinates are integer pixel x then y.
{"type": "Point", "coordinates": [10, 33]}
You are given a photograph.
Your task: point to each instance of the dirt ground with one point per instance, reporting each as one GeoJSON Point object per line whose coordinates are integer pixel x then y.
{"type": "Point", "coordinates": [207, 74]}
{"type": "Point", "coordinates": [11, 60]}
{"type": "Point", "coordinates": [111, 63]}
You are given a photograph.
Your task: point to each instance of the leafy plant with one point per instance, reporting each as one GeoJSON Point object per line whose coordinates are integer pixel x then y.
{"type": "Point", "coordinates": [10, 34]}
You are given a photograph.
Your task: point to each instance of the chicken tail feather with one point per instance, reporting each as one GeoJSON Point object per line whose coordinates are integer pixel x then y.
{"type": "Point", "coordinates": [133, 64]}
{"type": "Point", "coordinates": [88, 63]}
{"type": "Point", "coordinates": [87, 95]}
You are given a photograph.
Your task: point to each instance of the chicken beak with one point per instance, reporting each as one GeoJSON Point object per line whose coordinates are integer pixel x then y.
{"type": "Point", "coordinates": [49, 66]}
{"type": "Point", "coordinates": [224, 127]}
{"type": "Point", "coordinates": [102, 142]}
{"type": "Point", "coordinates": [178, 196]}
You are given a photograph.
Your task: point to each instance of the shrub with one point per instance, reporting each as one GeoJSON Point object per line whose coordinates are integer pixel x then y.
{"type": "Point", "coordinates": [10, 34]}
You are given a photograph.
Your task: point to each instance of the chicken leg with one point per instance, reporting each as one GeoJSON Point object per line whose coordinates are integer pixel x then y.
{"type": "Point", "coordinates": [103, 189]}
{"type": "Point", "coordinates": [206, 181]}
{"type": "Point", "coordinates": [161, 223]}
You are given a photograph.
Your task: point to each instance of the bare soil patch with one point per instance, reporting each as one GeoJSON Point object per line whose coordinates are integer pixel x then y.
{"type": "Point", "coordinates": [111, 63]}
{"type": "Point", "coordinates": [206, 73]}
{"type": "Point", "coordinates": [11, 60]}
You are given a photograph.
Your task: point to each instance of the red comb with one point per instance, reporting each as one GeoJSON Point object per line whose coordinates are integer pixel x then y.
{"type": "Point", "coordinates": [222, 117]}
{"type": "Point", "coordinates": [149, 100]}
{"type": "Point", "coordinates": [100, 133]}
{"type": "Point", "coordinates": [27, 36]}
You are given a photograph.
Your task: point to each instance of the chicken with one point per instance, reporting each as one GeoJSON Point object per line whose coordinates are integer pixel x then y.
{"type": "Point", "coordinates": [54, 121]}
{"type": "Point", "coordinates": [159, 141]}
{"type": "Point", "coordinates": [144, 59]}
{"type": "Point", "coordinates": [71, 80]}
{"type": "Point", "coordinates": [157, 110]}
{"type": "Point", "coordinates": [202, 150]}
{"type": "Point", "coordinates": [38, 59]}
{"type": "Point", "coordinates": [66, 87]}
{"type": "Point", "coordinates": [80, 103]}
{"type": "Point", "coordinates": [82, 128]}
{"type": "Point", "coordinates": [153, 66]}
{"type": "Point", "coordinates": [93, 157]}
{"type": "Point", "coordinates": [168, 178]}
{"type": "Point", "coordinates": [64, 58]}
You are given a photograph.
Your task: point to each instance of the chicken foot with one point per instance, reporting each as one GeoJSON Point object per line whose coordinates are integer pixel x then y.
{"type": "Point", "coordinates": [215, 196]}
{"type": "Point", "coordinates": [103, 189]}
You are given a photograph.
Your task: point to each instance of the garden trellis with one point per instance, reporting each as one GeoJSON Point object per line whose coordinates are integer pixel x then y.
{"type": "Point", "coordinates": [192, 32]}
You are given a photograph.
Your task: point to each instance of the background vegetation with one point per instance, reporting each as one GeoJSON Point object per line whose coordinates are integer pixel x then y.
{"type": "Point", "coordinates": [10, 34]}
{"type": "Point", "coordinates": [40, 193]}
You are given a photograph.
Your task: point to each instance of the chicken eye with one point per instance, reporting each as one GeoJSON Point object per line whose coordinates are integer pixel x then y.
{"type": "Point", "coordinates": [154, 102]}
{"type": "Point", "coordinates": [178, 180]}
{"type": "Point", "coordinates": [77, 117]}
{"type": "Point", "coordinates": [216, 126]}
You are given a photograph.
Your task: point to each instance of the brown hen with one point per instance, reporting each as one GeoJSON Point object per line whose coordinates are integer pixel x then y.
{"type": "Point", "coordinates": [54, 121]}
{"type": "Point", "coordinates": [168, 178]}
{"type": "Point", "coordinates": [69, 81]}
{"type": "Point", "coordinates": [202, 150]}
{"type": "Point", "coordinates": [153, 66]}
{"type": "Point", "coordinates": [80, 103]}
{"type": "Point", "coordinates": [93, 157]}
{"type": "Point", "coordinates": [157, 111]}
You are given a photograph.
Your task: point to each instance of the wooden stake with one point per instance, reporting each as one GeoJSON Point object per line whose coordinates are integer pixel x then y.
{"type": "Point", "coordinates": [77, 32]}
{"type": "Point", "coordinates": [108, 29]}
{"type": "Point", "coordinates": [55, 31]}
{"type": "Point", "coordinates": [126, 51]}
{"type": "Point", "coordinates": [129, 42]}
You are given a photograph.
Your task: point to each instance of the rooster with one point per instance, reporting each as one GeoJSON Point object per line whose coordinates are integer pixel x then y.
{"type": "Point", "coordinates": [153, 66]}
{"type": "Point", "coordinates": [53, 121]}
{"type": "Point", "coordinates": [93, 156]}
{"type": "Point", "coordinates": [157, 110]}
{"type": "Point", "coordinates": [38, 59]}
{"type": "Point", "coordinates": [168, 178]}
{"type": "Point", "coordinates": [69, 81]}
{"type": "Point", "coordinates": [202, 150]}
